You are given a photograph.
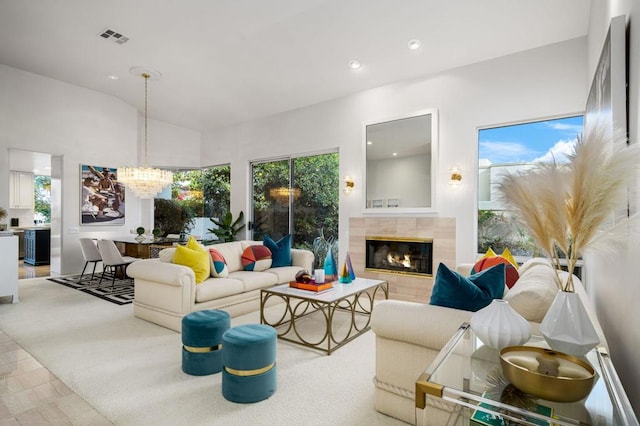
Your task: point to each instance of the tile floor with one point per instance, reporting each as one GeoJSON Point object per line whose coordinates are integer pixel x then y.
{"type": "Point", "coordinates": [28, 271]}
{"type": "Point", "coordinates": [31, 395]}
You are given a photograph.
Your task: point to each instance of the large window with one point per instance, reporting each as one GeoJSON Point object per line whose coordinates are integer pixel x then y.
{"type": "Point", "coordinates": [510, 149]}
{"type": "Point", "coordinates": [196, 195]}
{"type": "Point", "coordinates": [297, 196]}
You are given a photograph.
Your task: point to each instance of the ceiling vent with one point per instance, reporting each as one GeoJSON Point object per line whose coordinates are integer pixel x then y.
{"type": "Point", "coordinates": [114, 35]}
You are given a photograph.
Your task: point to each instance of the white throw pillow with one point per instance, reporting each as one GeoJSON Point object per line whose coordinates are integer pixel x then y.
{"type": "Point", "coordinates": [166, 255]}
{"type": "Point", "coordinates": [534, 292]}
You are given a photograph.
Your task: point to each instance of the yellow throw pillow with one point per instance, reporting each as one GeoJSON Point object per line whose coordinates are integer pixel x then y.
{"type": "Point", "coordinates": [193, 244]}
{"type": "Point", "coordinates": [489, 253]}
{"type": "Point", "coordinates": [195, 259]}
{"type": "Point", "coordinates": [506, 253]}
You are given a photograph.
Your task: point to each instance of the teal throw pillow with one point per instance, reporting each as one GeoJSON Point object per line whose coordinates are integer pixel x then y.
{"type": "Point", "coordinates": [471, 293]}
{"type": "Point", "coordinates": [280, 250]}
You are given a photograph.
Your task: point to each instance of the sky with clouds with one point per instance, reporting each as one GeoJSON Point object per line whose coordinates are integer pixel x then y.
{"type": "Point", "coordinates": [530, 142]}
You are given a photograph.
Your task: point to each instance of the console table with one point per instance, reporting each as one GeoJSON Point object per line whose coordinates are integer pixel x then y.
{"type": "Point", "coordinates": [458, 377]}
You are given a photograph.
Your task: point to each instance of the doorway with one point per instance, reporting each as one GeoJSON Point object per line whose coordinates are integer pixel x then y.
{"type": "Point", "coordinates": [32, 209]}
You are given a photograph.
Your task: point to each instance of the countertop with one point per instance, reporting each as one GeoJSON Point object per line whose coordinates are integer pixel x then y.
{"type": "Point", "coordinates": [24, 228]}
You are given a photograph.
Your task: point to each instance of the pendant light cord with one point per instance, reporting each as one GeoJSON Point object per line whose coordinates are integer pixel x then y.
{"type": "Point", "coordinates": [146, 80]}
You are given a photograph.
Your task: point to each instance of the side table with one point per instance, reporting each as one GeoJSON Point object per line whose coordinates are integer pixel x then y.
{"type": "Point", "coordinates": [462, 372]}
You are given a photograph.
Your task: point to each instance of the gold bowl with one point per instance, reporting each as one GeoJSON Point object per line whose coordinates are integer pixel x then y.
{"type": "Point", "coordinates": [547, 374]}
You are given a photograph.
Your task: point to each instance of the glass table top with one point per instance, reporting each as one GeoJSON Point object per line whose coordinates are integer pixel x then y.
{"type": "Point", "coordinates": [469, 374]}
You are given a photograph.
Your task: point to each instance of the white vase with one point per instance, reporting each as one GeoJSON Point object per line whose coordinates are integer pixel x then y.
{"type": "Point", "coordinates": [567, 327]}
{"type": "Point", "coordinates": [498, 325]}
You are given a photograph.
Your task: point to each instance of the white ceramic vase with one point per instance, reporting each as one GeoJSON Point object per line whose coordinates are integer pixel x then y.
{"type": "Point", "coordinates": [498, 325]}
{"type": "Point", "coordinates": [567, 327]}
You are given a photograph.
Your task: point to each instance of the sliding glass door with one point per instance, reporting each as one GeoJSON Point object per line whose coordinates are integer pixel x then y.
{"type": "Point", "coordinates": [297, 196]}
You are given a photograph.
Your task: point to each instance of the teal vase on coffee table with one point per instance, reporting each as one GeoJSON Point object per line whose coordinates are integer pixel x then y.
{"type": "Point", "coordinates": [330, 268]}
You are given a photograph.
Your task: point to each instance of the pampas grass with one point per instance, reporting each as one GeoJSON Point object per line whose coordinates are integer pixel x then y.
{"type": "Point", "coordinates": [564, 205]}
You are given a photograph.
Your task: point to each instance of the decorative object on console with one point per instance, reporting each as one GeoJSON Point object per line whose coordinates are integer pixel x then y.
{"type": "Point", "coordinates": [547, 374]}
{"type": "Point", "coordinates": [498, 325]}
{"type": "Point", "coordinates": [567, 327]}
{"type": "Point", "coordinates": [145, 182]}
{"type": "Point", "coordinates": [564, 205]}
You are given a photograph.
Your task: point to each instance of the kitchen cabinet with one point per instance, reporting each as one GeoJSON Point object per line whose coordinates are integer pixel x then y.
{"type": "Point", "coordinates": [37, 246]}
{"type": "Point", "coordinates": [21, 190]}
{"type": "Point", "coordinates": [9, 267]}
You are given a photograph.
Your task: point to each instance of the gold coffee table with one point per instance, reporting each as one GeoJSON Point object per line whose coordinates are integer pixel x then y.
{"type": "Point", "coordinates": [463, 377]}
{"type": "Point", "coordinates": [326, 320]}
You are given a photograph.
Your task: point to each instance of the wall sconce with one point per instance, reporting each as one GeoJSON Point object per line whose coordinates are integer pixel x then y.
{"type": "Point", "coordinates": [348, 185]}
{"type": "Point", "coordinates": [456, 176]}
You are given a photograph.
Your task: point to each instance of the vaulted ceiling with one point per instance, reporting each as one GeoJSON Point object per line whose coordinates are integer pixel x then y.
{"type": "Point", "coordinates": [229, 61]}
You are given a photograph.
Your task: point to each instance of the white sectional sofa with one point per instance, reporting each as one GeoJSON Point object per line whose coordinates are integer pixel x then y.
{"type": "Point", "coordinates": [165, 292]}
{"type": "Point", "coordinates": [410, 335]}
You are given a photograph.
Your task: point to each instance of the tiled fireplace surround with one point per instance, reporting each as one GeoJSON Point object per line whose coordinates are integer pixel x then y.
{"type": "Point", "coordinates": [404, 287]}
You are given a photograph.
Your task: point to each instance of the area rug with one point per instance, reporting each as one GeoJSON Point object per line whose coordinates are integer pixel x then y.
{"type": "Point", "coordinates": [129, 369]}
{"type": "Point", "coordinates": [121, 293]}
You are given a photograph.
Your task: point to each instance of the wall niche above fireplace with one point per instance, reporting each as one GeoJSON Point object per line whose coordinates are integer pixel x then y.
{"type": "Point", "coordinates": [398, 255]}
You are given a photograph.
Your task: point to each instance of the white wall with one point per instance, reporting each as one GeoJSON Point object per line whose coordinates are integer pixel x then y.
{"type": "Point", "coordinates": [612, 276]}
{"type": "Point", "coordinates": [83, 127]}
{"type": "Point", "coordinates": [535, 84]}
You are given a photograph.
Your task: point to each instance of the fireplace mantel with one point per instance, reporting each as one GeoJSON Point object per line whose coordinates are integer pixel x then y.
{"type": "Point", "coordinates": [442, 231]}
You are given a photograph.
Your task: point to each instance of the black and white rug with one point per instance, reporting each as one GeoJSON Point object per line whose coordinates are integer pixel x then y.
{"type": "Point", "coordinates": [121, 293]}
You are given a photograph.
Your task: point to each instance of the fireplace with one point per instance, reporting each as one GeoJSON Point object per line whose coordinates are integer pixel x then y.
{"type": "Point", "coordinates": [412, 256]}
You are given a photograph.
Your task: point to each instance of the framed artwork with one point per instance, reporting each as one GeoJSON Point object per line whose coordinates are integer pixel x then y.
{"type": "Point", "coordinates": [102, 197]}
{"type": "Point", "coordinates": [607, 101]}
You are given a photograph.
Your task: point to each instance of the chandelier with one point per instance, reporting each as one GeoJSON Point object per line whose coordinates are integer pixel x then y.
{"type": "Point", "coordinates": [145, 182]}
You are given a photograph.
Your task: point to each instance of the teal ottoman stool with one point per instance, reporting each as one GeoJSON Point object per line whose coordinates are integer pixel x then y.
{"type": "Point", "coordinates": [249, 363]}
{"type": "Point", "coordinates": [202, 341]}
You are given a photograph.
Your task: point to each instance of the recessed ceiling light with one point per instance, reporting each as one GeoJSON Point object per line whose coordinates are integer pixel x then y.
{"type": "Point", "coordinates": [395, 154]}
{"type": "Point", "coordinates": [354, 65]}
{"type": "Point", "coordinates": [369, 143]}
{"type": "Point", "coordinates": [112, 77]}
{"type": "Point", "coordinates": [414, 44]}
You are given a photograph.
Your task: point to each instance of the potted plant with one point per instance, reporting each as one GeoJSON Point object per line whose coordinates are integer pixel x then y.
{"type": "Point", "coordinates": [227, 228]}
{"type": "Point", "coordinates": [564, 206]}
